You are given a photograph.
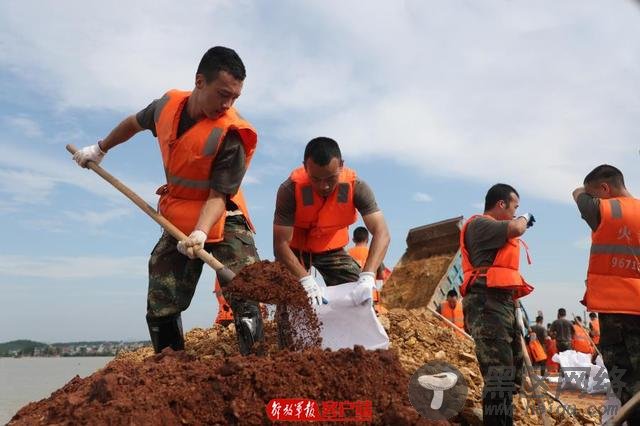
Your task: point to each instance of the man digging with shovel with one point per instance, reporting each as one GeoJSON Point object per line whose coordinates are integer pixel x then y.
{"type": "Point", "coordinates": [206, 149]}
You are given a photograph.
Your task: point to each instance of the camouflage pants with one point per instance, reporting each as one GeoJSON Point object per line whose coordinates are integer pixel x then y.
{"type": "Point", "coordinates": [620, 347]}
{"type": "Point", "coordinates": [490, 317]}
{"type": "Point", "coordinates": [336, 266]}
{"type": "Point", "coordinates": [173, 276]}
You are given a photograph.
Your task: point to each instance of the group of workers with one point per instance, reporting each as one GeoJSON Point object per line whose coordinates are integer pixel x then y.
{"type": "Point", "coordinates": [559, 336]}
{"type": "Point", "coordinates": [207, 147]}
{"type": "Point", "coordinates": [492, 284]}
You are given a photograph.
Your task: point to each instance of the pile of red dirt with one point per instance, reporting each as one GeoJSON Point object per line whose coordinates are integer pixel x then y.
{"type": "Point", "coordinates": [270, 282]}
{"type": "Point", "coordinates": [177, 388]}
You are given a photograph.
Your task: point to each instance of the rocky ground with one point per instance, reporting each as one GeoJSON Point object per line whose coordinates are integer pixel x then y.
{"type": "Point", "coordinates": [210, 383]}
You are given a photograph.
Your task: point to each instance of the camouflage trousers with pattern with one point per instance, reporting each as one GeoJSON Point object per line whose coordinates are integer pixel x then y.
{"type": "Point", "coordinates": [620, 348]}
{"type": "Point", "coordinates": [335, 266]}
{"type": "Point", "coordinates": [173, 276]}
{"type": "Point", "coordinates": [490, 317]}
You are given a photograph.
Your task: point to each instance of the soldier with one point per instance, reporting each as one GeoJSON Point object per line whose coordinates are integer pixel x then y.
{"type": "Point", "coordinates": [314, 209]}
{"type": "Point", "coordinates": [613, 278]}
{"type": "Point", "coordinates": [206, 148]}
{"type": "Point", "coordinates": [491, 287]}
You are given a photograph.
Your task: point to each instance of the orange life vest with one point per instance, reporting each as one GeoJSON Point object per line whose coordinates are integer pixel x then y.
{"type": "Point", "coordinates": [225, 314]}
{"type": "Point", "coordinates": [595, 330]}
{"type": "Point", "coordinates": [580, 340]}
{"type": "Point", "coordinates": [323, 224]}
{"type": "Point", "coordinates": [503, 274]}
{"type": "Point", "coordinates": [613, 280]}
{"type": "Point", "coordinates": [189, 158]}
{"type": "Point", "coordinates": [359, 254]}
{"type": "Point", "coordinates": [454, 315]}
{"type": "Point", "coordinates": [537, 351]}
{"type": "Point", "coordinates": [551, 350]}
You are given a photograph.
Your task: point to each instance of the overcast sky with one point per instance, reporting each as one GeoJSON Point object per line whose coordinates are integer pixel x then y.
{"type": "Point", "coordinates": [432, 102]}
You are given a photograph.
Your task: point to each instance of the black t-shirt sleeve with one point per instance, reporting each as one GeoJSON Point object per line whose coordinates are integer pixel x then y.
{"type": "Point", "coordinates": [589, 208]}
{"type": "Point", "coordinates": [229, 166]}
{"type": "Point", "coordinates": [363, 198]}
{"type": "Point", "coordinates": [488, 234]}
{"type": "Point", "coordinates": [285, 212]}
{"type": "Point", "coordinates": [146, 119]}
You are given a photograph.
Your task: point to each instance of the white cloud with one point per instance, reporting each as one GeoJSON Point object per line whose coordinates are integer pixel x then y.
{"type": "Point", "coordinates": [29, 176]}
{"type": "Point", "coordinates": [421, 197]}
{"type": "Point", "coordinates": [26, 186]}
{"type": "Point", "coordinates": [55, 267]}
{"type": "Point", "coordinates": [97, 218]}
{"type": "Point", "coordinates": [24, 125]}
{"type": "Point", "coordinates": [583, 243]}
{"type": "Point", "coordinates": [250, 179]}
{"type": "Point", "coordinates": [533, 94]}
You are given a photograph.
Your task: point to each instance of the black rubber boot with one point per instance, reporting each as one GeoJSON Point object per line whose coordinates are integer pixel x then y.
{"type": "Point", "coordinates": [249, 326]}
{"type": "Point", "coordinates": [166, 332]}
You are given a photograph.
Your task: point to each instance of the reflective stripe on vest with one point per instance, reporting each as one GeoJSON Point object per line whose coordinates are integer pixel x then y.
{"type": "Point", "coordinates": [454, 315]}
{"type": "Point", "coordinates": [613, 279]}
{"type": "Point", "coordinates": [503, 274]}
{"type": "Point", "coordinates": [322, 224]}
{"type": "Point", "coordinates": [188, 161]}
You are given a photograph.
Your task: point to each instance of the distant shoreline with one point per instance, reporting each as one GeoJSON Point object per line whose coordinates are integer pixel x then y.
{"type": "Point", "coordinates": [30, 348]}
{"type": "Point", "coordinates": [60, 356]}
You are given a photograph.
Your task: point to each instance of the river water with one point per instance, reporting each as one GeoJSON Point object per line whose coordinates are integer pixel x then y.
{"type": "Point", "coordinates": [23, 380]}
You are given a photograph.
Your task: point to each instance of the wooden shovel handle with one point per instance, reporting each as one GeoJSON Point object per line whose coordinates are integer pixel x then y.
{"type": "Point", "coordinates": [162, 221]}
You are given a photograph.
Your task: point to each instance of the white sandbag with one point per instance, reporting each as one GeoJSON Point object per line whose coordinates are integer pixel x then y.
{"type": "Point", "coordinates": [345, 325]}
{"type": "Point", "coordinates": [578, 372]}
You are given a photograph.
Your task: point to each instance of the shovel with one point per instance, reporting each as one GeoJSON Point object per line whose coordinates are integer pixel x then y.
{"type": "Point", "coordinates": [224, 274]}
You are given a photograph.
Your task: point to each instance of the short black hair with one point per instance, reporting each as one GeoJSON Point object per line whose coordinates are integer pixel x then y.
{"type": "Point", "coordinates": [498, 192]}
{"type": "Point", "coordinates": [360, 234]}
{"type": "Point", "coordinates": [605, 173]}
{"type": "Point", "coordinates": [322, 150]}
{"type": "Point", "coordinates": [562, 312]}
{"type": "Point", "coordinates": [578, 319]}
{"type": "Point", "coordinates": [593, 315]}
{"type": "Point", "coordinates": [538, 318]}
{"type": "Point", "coordinates": [452, 293]}
{"type": "Point", "coordinates": [218, 59]}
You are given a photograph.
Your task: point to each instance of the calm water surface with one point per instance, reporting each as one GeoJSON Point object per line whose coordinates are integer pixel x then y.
{"type": "Point", "coordinates": [23, 380]}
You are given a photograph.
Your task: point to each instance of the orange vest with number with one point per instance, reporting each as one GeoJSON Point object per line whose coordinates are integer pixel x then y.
{"type": "Point", "coordinates": [454, 315]}
{"type": "Point", "coordinates": [613, 279]}
{"type": "Point", "coordinates": [323, 224]}
{"type": "Point", "coordinates": [595, 330]}
{"type": "Point", "coordinates": [537, 351]}
{"type": "Point", "coordinates": [359, 254]}
{"type": "Point", "coordinates": [503, 274]}
{"type": "Point", "coordinates": [188, 160]}
{"type": "Point", "coordinates": [580, 340]}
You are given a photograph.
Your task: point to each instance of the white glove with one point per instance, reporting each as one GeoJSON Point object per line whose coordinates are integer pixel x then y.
{"type": "Point", "coordinates": [313, 290]}
{"type": "Point", "coordinates": [362, 292]}
{"type": "Point", "coordinates": [89, 153]}
{"type": "Point", "coordinates": [194, 242]}
{"type": "Point", "coordinates": [529, 218]}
